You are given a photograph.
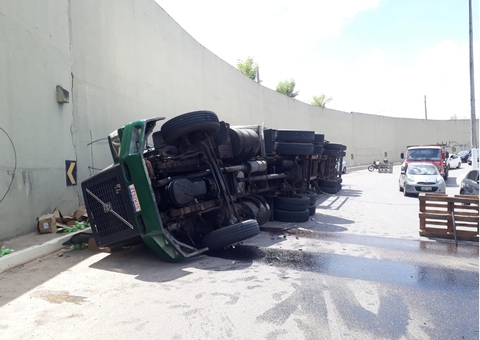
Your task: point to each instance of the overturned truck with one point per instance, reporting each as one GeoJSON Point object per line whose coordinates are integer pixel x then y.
{"type": "Point", "coordinates": [199, 184]}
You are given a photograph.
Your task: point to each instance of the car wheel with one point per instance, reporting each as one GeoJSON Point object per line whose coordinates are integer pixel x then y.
{"type": "Point", "coordinates": [405, 192]}
{"type": "Point", "coordinates": [371, 168]}
{"type": "Point", "coordinates": [399, 187]}
{"type": "Point", "coordinates": [186, 123]}
{"type": "Point", "coordinates": [459, 165]}
{"type": "Point", "coordinates": [235, 233]}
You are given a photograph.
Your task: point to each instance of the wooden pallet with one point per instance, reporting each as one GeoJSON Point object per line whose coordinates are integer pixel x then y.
{"type": "Point", "coordinates": [449, 216]}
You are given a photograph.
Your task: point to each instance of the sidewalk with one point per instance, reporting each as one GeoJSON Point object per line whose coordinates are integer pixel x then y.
{"type": "Point", "coordinates": [33, 245]}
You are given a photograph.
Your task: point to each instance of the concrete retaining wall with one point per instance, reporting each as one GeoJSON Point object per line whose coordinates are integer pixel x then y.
{"type": "Point", "coordinates": [124, 60]}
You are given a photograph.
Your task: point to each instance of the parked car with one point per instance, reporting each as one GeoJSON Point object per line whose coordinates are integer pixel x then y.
{"type": "Point", "coordinates": [454, 161]}
{"type": "Point", "coordinates": [469, 160]}
{"type": "Point", "coordinates": [421, 177]}
{"type": "Point", "coordinates": [343, 169]}
{"type": "Point", "coordinates": [469, 185]}
{"type": "Point", "coordinates": [464, 154]}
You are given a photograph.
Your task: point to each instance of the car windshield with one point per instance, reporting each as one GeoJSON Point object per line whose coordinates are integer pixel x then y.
{"type": "Point", "coordinates": [426, 169]}
{"type": "Point", "coordinates": [424, 154]}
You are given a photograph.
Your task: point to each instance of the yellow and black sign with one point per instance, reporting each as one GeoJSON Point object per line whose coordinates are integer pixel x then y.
{"type": "Point", "coordinates": [71, 172]}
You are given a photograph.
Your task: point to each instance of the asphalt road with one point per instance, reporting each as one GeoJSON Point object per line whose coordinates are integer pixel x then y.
{"type": "Point", "coordinates": [357, 270]}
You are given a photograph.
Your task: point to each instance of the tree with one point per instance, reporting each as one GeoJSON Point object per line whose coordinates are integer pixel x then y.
{"type": "Point", "coordinates": [321, 100]}
{"type": "Point", "coordinates": [248, 67]}
{"type": "Point", "coordinates": [287, 88]}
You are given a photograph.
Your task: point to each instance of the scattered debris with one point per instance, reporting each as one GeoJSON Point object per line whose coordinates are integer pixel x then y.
{"type": "Point", "coordinates": [57, 223]}
{"type": "Point", "coordinates": [4, 250]}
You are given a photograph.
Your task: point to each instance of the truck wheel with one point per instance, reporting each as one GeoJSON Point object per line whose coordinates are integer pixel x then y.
{"type": "Point", "coordinates": [294, 136]}
{"type": "Point", "coordinates": [312, 195]}
{"type": "Point", "coordinates": [319, 138]}
{"type": "Point", "coordinates": [312, 209]}
{"type": "Point", "coordinates": [291, 216]}
{"type": "Point", "coordinates": [235, 233]}
{"type": "Point", "coordinates": [332, 146]}
{"type": "Point", "coordinates": [333, 153]}
{"type": "Point", "coordinates": [186, 123]}
{"type": "Point", "coordinates": [330, 190]}
{"type": "Point", "coordinates": [294, 148]}
{"type": "Point", "coordinates": [317, 149]}
{"type": "Point", "coordinates": [328, 183]}
{"type": "Point", "coordinates": [292, 203]}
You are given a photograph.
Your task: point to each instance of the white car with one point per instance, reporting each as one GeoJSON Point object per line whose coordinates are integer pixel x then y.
{"type": "Point", "coordinates": [454, 162]}
{"type": "Point", "coordinates": [421, 177]}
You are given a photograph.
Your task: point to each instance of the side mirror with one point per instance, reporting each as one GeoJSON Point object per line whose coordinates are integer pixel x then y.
{"type": "Point", "coordinates": [402, 155]}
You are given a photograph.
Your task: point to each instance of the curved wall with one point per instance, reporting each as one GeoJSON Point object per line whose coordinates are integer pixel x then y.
{"type": "Point", "coordinates": [124, 60]}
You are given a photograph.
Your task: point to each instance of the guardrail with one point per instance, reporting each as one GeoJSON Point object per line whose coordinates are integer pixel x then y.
{"type": "Point", "coordinates": [454, 216]}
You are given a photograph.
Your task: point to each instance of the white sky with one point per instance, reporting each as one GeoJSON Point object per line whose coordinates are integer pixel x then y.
{"type": "Point", "coordinates": [290, 40]}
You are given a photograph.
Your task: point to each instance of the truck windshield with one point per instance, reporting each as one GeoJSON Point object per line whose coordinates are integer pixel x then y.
{"type": "Point", "coordinates": [424, 154]}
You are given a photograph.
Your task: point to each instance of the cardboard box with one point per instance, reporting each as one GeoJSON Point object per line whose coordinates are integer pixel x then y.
{"type": "Point", "coordinates": [92, 245]}
{"type": "Point", "coordinates": [58, 215]}
{"type": "Point", "coordinates": [47, 224]}
{"type": "Point", "coordinates": [81, 213]}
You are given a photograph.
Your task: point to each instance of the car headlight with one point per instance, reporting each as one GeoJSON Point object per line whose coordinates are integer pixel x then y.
{"type": "Point", "coordinates": [440, 179]}
{"type": "Point", "coordinates": [409, 179]}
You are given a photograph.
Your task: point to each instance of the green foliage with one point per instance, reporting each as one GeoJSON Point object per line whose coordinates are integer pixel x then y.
{"type": "Point", "coordinates": [321, 100]}
{"type": "Point", "coordinates": [248, 67]}
{"type": "Point", "coordinates": [287, 88]}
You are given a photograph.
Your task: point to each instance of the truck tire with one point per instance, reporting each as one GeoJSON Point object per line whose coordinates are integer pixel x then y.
{"type": "Point", "coordinates": [186, 123]}
{"type": "Point", "coordinates": [294, 148]}
{"type": "Point", "coordinates": [292, 203]}
{"type": "Point", "coordinates": [312, 195]}
{"type": "Point", "coordinates": [294, 136]}
{"type": "Point", "coordinates": [333, 153]}
{"type": "Point", "coordinates": [330, 190]}
{"type": "Point", "coordinates": [317, 149]}
{"type": "Point", "coordinates": [328, 183]}
{"type": "Point", "coordinates": [332, 146]}
{"type": "Point", "coordinates": [291, 216]}
{"type": "Point", "coordinates": [319, 138]}
{"type": "Point", "coordinates": [226, 236]}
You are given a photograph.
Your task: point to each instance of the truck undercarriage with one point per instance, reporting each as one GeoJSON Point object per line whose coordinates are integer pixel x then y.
{"type": "Point", "coordinates": [199, 184]}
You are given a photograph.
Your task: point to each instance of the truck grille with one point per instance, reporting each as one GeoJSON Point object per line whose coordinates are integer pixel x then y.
{"type": "Point", "coordinates": [109, 207]}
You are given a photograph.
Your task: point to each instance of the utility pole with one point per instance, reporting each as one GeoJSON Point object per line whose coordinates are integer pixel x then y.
{"type": "Point", "coordinates": [472, 92]}
{"type": "Point", "coordinates": [425, 101]}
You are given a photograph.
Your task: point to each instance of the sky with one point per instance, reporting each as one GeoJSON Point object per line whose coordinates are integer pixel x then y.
{"type": "Point", "coordinates": [381, 57]}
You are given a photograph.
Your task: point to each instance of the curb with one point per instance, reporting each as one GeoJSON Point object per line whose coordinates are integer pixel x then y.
{"type": "Point", "coordinates": [17, 258]}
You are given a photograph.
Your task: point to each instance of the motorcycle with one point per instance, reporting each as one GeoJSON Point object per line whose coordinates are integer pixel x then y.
{"type": "Point", "coordinates": [376, 164]}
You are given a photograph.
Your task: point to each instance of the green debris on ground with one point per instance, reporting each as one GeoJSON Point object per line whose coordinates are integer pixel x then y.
{"type": "Point", "coordinates": [78, 226]}
{"type": "Point", "coordinates": [79, 246]}
{"type": "Point", "coordinates": [4, 251]}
